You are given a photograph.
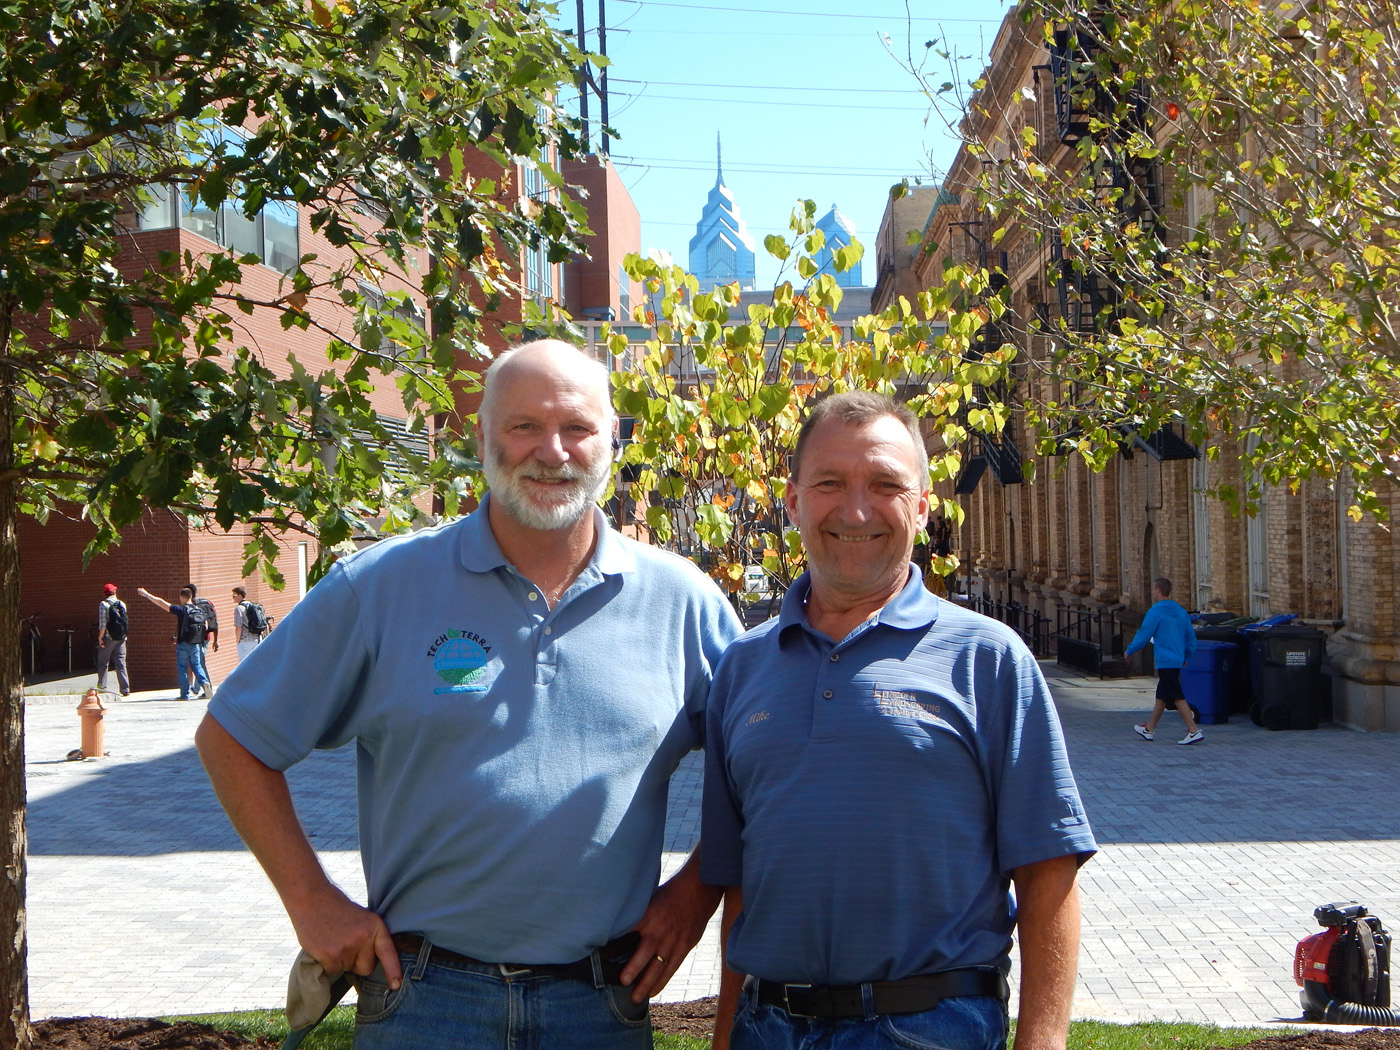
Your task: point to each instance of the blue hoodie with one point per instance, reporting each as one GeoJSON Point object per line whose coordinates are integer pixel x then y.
{"type": "Point", "coordinates": [1169, 629]}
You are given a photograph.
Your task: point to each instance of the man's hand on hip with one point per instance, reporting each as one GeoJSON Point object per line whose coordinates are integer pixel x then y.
{"type": "Point", "coordinates": [343, 936]}
{"type": "Point", "coordinates": [673, 924]}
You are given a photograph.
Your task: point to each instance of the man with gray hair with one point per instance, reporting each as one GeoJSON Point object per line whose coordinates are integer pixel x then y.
{"type": "Point", "coordinates": [520, 685]}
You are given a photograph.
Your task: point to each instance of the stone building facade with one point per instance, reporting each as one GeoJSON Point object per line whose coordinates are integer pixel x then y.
{"type": "Point", "coordinates": [1072, 543]}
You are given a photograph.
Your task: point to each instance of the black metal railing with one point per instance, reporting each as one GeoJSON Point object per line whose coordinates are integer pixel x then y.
{"type": "Point", "coordinates": [1032, 625]}
{"type": "Point", "coordinates": [1089, 640]}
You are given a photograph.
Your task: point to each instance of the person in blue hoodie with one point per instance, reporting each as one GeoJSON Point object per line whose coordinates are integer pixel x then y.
{"type": "Point", "coordinates": [1173, 639]}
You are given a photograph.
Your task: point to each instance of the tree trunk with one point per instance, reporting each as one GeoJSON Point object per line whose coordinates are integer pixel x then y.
{"type": "Point", "coordinates": [14, 972]}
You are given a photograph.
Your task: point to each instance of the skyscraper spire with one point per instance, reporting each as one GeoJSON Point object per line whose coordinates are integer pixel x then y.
{"type": "Point", "coordinates": [719, 162]}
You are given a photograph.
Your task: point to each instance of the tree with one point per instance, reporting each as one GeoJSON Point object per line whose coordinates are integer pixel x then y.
{"type": "Point", "coordinates": [126, 385]}
{"type": "Point", "coordinates": [718, 395]}
{"type": "Point", "coordinates": [1216, 187]}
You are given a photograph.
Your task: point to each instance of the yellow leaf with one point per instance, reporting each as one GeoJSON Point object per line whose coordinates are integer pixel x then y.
{"type": "Point", "coordinates": [42, 445]}
{"type": "Point", "coordinates": [320, 15]}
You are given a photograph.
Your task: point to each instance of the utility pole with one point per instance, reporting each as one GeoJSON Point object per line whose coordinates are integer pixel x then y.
{"type": "Point", "coordinates": [603, 90]}
{"type": "Point", "coordinates": [583, 74]}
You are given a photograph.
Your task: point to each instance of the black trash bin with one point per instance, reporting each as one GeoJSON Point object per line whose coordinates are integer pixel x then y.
{"type": "Point", "coordinates": [1240, 694]}
{"type": "Point", "coordinates": [1285, 670]}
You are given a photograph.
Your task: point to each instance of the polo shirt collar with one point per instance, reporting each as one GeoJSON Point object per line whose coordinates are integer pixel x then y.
{"type": "Point", "coordinates": [481, 553]}
{"type": "Point", "coordinates": [913, 608]}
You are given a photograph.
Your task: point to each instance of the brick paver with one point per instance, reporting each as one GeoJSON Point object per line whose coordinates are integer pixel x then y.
{"type": "Point", "coordinates": [143, 901]}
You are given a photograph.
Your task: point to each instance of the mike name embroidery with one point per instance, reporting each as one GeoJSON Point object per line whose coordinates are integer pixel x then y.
{"type": "Point", "coordinates": [757, 716]}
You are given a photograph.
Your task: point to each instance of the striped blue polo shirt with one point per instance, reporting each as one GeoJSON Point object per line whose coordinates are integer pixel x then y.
{"type": "Point", "coordinates": [872, 795]}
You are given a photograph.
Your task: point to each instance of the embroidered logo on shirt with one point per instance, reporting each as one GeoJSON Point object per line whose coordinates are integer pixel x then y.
{"type": "Point", "coordinates": [459, 658]}
{"type": "Point", "coordinates": [906, 705]}
{"type": "Point", "coordinates": [757, 716]}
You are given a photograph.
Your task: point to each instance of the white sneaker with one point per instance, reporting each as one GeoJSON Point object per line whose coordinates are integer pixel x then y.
{"type": "Point", "coordinates": [1192, 738]}
{"type": "Point", "coordinates": [1144, 732]}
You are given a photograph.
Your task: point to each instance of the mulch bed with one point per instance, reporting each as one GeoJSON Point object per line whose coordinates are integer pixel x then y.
{"type": "Point", "coordinates": [693, 1018]}
{"type": "Point", "coordinates": [137, 1033]}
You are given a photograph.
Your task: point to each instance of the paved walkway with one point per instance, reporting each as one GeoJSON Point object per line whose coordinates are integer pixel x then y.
{"type": "Point", "coordinates": [142, 900]}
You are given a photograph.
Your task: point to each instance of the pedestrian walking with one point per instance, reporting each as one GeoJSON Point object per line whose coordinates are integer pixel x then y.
{"type": "Point", "coordinates": [249, 623]}
{"type": "Point", "coordinates": [1173, 639]}
{"type": "Point", "coordinates": [112, 626]}
{"type": "Point", "coordinates": [190, 630]}
{"type": "Point", "coordinates": [210, 636]}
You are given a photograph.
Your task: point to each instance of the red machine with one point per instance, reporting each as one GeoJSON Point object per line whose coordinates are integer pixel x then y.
{"type": "Point", "coordinates": [1344, 971]}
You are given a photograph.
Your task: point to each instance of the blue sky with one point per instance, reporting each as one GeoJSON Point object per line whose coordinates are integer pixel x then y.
{"type": "Point", "coordinates": [807, 99]}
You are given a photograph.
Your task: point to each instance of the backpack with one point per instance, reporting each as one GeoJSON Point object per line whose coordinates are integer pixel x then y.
{"type": "Point", "coordinates": [117, 622]}
{"type": "Point", "coordinates": [254, 618]}
{"type": "Point", "coordinates": [195, 625]}
{"type": "Point", "coordinates": [211, 616]}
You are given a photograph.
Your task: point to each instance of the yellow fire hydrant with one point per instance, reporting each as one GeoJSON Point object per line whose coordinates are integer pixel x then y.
{"type": "Point", "coordinates": [90, 711]}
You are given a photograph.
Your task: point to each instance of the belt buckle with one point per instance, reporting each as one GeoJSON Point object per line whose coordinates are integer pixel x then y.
{"type": "Point", "coordinates": [508, 971]}
{"type": "Point", "coordinates": [787, 1003]}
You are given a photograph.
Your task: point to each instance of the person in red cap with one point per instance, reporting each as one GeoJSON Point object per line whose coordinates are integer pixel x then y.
{"type": "Point", "coordinates": [112, 624]}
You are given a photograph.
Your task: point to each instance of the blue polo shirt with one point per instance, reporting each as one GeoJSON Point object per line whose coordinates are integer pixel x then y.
{"type": "Point", "coordinates": [1168, 627]}
{"type": "Point", "coordinates": [513, 759]}
{"type": "Point", "coordinates": [872, 795]}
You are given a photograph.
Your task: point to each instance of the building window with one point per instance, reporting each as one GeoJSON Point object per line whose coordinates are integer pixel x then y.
{"type": "Point", "coordinates": [398, 311]}
{"type": "Point", "coordinates": [539, 273]}
{"type": "Point", "coordinates": [272, 234]}
{"type": "Point", "coordinates": [624, 294]}
{"type": "Point", "coordinates": [1200, 506]}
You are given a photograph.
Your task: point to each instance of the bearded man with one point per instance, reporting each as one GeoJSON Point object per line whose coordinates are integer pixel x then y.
{"type": "Point", "coordinates": [513, 759]}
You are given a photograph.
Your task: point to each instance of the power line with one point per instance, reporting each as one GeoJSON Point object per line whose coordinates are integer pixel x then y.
{"type": "Point", "coordinates": [739, 169]}
{"type": "Point", "coordinates": [767, 102]}
{"type": "Point", "coordinates": [751, 167]}
{"type": "Point", "coordinates": [812, 14]}
{"type": "Point", "coordinates": [768, 87]}
{"type": "Point", "coordinates": [785, 34]}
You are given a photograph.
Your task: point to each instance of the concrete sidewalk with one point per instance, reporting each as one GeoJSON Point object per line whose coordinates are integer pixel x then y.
{"type": "Point", "coordinates": [143, 901]}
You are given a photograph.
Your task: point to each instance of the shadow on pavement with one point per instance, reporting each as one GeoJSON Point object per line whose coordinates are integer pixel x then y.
{"type": "Point", "coordinates": [165, 805]}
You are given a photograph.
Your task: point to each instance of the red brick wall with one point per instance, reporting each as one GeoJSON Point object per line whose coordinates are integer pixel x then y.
{"type": "Point", "coordinates": [159, 553]}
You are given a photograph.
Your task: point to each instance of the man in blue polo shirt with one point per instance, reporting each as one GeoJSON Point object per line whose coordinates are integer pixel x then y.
{"type": "Point", "coordinates": [881, 768]}
{"type": "Point", "coordinates": [520, 685]}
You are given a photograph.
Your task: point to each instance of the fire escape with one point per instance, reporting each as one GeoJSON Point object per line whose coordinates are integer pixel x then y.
{"type": "Point", "coordinates": [997, 451]}
{"type": "Point", "coordinates": [1092, 291]}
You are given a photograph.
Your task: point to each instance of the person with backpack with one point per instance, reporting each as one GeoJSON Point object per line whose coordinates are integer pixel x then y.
{"type": "Point", "coordinates": [249, 623]}
{"type": "Point", "coordinates": [191, 628]}
{"type": "Point", "coordinates": [112, 626]}
{"type": "Point", "coordinates": [211, 634]}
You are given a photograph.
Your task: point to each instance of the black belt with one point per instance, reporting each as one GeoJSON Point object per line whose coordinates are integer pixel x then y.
{"type": "Point", "coordinates": [613, 957]}
{"type": "Point", "coordinates": [912, 995]}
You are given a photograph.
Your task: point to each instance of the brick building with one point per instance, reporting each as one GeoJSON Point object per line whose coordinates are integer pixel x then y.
{"type": "Point", "coordinates": [1074, 544]}
{"type": "Point", "coordinates": [164, 552]}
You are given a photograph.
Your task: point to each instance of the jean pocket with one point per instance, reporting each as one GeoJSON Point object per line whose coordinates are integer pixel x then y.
{"type": "Point", "coordinates": [624, 1009]}
{"type": "Point", "coordinates": [965, 1023]}
{"type": "Point", "coordinates": [377, 1000]}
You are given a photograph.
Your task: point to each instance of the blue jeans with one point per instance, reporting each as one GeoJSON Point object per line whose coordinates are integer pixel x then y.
{"type": "Point", "coordinates": [187, 659]}
{"type": "Point", "coordinates": [201, 654]}
{"type": "Point", "coordinates": [965, 1023]}
{"type": "Point", "coordinates": [460, 1005]}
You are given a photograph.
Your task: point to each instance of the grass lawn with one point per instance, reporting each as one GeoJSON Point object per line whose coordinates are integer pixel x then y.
{"type": "Point", "coordinates": [336, 1032]}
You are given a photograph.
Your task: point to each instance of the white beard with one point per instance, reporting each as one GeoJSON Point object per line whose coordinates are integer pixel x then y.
{"type": "Point", "coordinates": [568, 504]}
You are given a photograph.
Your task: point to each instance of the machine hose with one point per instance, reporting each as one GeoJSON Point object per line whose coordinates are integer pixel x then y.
{"type": "Point", "coordinates": [1317, 1006]}
{"type": "Point", "coordinates": [1357, 1013]}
